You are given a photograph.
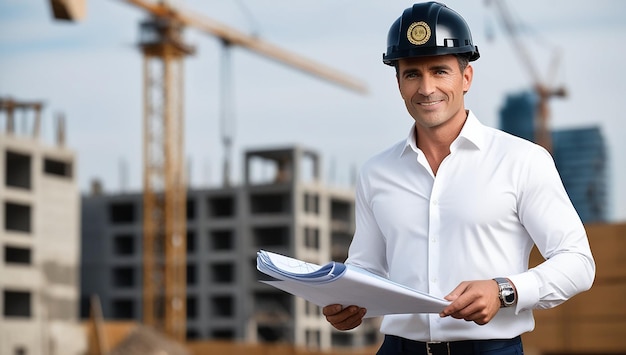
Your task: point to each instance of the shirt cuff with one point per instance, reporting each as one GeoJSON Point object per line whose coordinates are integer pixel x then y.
{"type": "Point", "coordinates": [527, 287]}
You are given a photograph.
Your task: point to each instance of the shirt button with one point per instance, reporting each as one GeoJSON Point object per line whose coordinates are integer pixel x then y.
{"type": "Point", "coordinates": [434, 280]}
{"type": "Point", "coordinates": [435, 202]}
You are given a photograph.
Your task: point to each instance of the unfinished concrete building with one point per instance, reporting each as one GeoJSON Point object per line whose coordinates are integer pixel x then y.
{"type": "Point", "coordinates": [282, 206]}
{"type": "Point", "coordinates": [39, 238]}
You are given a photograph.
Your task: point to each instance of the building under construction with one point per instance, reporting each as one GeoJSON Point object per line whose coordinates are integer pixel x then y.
{"type": "Point", "coordinates": [39, 236]}
{"type": "Point", "coordinates": [282, 206]}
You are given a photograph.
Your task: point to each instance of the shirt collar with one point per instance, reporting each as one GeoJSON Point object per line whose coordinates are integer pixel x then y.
{"type": "Point", "coordinates": [472, 132]}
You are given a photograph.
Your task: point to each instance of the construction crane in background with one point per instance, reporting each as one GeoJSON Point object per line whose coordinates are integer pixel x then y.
{"type": "Point", "coordinates": [543, 88]}
{"type": "Point", "coordinates": [164, 186]}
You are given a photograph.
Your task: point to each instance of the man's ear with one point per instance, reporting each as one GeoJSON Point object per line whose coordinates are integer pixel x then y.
{"type": "Point", "coordinates": [468, 75]}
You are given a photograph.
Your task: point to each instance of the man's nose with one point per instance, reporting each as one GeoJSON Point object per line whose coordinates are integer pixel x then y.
{"type": "Point", "coordinates": [426, 86]}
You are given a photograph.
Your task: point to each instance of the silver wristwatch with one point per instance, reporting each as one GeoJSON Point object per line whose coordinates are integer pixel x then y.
{"type": "Point", "coordinates": [507, 292]}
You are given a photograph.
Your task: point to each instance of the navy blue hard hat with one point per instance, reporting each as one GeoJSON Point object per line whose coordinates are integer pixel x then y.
{"type": "Point", "coordinates": [429, 29]}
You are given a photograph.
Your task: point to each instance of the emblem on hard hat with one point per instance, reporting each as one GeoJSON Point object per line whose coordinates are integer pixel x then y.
{"type": "Point", "coordinates": [418, 33]}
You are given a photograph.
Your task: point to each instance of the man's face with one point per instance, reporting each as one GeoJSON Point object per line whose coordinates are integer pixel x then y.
{"type": "Point", "coordinates": [432, 89]}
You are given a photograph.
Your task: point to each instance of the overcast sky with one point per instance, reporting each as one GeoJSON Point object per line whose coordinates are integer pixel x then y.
{"type": "Point", "coordinates": [91, 72]}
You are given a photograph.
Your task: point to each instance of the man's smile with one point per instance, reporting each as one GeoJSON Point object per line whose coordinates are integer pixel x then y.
{"type": "Point", "coordinates": [430, 103]}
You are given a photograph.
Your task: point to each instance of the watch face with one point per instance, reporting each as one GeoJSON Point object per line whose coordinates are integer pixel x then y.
{"type": "Point", "coordinates": [509, 297]}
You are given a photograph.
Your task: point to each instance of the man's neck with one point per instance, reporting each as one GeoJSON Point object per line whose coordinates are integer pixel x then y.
{"type": "Point", "coordinates": [435, 142]}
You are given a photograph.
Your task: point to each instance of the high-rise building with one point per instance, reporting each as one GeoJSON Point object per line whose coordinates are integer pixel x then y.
{"type": "Point", "coordinates": [39, 238]}
{"type": "Point", "coordinates": [282, 206]}
{"type": "Point", "coordinates": [579, 154]}
{"type": "Point", "coordinates": [517, 114]}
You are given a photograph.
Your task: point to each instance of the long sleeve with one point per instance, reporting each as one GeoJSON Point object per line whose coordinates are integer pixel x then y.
{"type": "Point", "coordinates": [548, 215]}
{"type": "Point", "coordinates": [368, 246]}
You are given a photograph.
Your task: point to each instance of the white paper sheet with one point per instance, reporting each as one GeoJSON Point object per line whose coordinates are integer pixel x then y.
{"type": "Point", "coordinates": [336, 283]}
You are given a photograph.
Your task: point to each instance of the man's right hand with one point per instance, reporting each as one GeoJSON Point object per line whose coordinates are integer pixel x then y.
{"type": "Point", "coordinates": [344, 318]}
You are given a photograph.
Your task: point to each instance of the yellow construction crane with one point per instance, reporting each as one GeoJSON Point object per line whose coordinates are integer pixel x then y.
{"type": "Point", "coordinates": [164, 187]}
{"type": "Point", "coordinates": [543, 88]}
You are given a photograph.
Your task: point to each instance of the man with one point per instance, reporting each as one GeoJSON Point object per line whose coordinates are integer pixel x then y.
{"type": "Point", "coordinates": [455, 209]}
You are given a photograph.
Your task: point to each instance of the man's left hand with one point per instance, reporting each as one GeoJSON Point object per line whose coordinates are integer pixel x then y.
{"type": "Point", "coordinates": [474, 301]}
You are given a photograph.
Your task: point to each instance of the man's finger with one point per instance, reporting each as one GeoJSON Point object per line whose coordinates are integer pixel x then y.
{"type": "Point", "coordinates": [331, 309]}
{"type": "Point", "coordinates": [352, 321]}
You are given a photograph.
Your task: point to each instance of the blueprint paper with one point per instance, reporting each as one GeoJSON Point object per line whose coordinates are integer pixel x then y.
{"type": "Point", "coordinates": [337, 283]}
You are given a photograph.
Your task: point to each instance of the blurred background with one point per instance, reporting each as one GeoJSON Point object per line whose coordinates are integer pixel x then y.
{"type": "Point", "coordinates": [88, 75]}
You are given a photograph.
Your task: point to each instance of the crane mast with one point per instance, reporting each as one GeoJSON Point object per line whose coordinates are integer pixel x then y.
{"type": "Point", "coordinates": [164, 205]}
{"type": "Point", "coordinates": [542, 88]}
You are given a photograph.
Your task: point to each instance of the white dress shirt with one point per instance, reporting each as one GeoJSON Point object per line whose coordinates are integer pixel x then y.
{"type": "Point", "coordinates": [493, 198]}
